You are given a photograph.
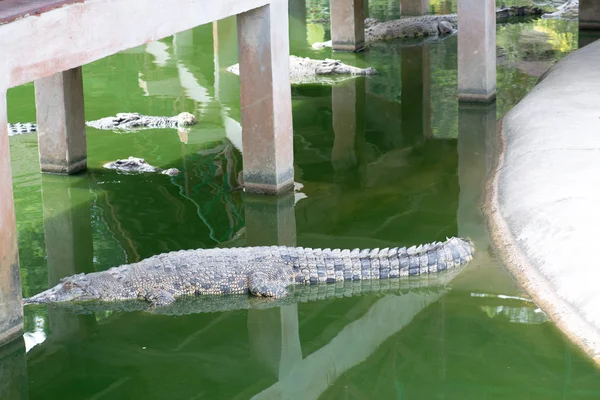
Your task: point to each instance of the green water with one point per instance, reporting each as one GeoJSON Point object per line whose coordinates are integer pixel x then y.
{"type": "Point", "coordinates": [387, 161]}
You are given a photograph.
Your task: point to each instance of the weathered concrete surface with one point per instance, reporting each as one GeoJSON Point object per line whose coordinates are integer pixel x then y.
{"type": "Point", "coordinates": [61, 122]}
{"type": "Point", "coordinates": [477, 50]}
{"type": "Point", "coordinates": [414, 7]}
{"type": "Point", "coordinates": [589, 14]}
{"type": "Point", "coordinates": [543, 199]}
{"type": "Point", "coordinates": [265, 98]}
{"type": "Point", "coordinates": [11, 309]}
{"type": "Point", "coordinates": [51, 42]}
{"type": "Point", "coordinates": [347, 25]}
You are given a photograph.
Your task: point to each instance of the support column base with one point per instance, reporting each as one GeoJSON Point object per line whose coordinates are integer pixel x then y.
{"type": "Point", "coordinates": [262, 188]}
{"type": "Point", "coordinates": [11, 333]}
{"type": "Point", "coordinates": [62, 168]}
{"type": "Point", "coordinates": [477, 98]}
{"type": "Point", "coordinates": [348, 47]}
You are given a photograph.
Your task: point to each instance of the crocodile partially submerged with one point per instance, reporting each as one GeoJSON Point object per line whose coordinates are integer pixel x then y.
{"type": "Point", "coordinates": [306, 70]}
{"type": "Point", "coordinates": [426, 25]}
{"type": "Point", "coordinates": [259, 271]}
{"type": "Point", "coordinates": [134, 165]}
{"type": "Point", "coordinates": [121, 122]}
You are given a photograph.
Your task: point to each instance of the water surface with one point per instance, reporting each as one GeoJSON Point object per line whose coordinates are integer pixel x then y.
{"type": "Point", "coordinates": [391, 160]}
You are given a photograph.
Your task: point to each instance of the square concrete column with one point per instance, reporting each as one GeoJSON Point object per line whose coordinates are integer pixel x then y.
{"type": "Point", "coordinates": [589, 14]}
{"type": "Point", "coordinates": [11, 307]}
{"type": "Point", "coordinates": [476, 50]}
{"type": "Point", "coordinates": [347, 24]}
{"type": "Point", "coordinates": [414, 7]}
{"type": "Point", "coordinates": [265, 97]}
{"type": "Point", "coordinates": [61, 122]}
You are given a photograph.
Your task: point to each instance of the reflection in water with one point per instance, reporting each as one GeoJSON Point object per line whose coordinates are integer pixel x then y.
{"type": "Point", "coordinates": [386, 161]}
{"type": "Point", "coordinates": [13, 371]}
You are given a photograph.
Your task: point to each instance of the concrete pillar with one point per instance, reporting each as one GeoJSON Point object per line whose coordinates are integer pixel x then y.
{"type": "Point", "coordinates": [348, 109]}
{"type": "Point", "coordinates": [414, 7]}
{"type": "Point", "coordinates": [11, 308]}
{"type": "Point", "coordinates": [69, 247]}
{"type": "Point", "coordinates": [347, 24]}
{"type": "Point", "coordinates": [13, 371]}
{"type": "Point", "coordinates": [265, 97]}
{"type": "Point", "coordinates": [61, 122]}
{"type": "Point", "coordinates": [477, 50]}
{"type": "Point", "coordinates": [274, 333]}
{"type": "Point", "coordinates": [416, 92]}
{"type": "Point", "coordinates": [589, 14]}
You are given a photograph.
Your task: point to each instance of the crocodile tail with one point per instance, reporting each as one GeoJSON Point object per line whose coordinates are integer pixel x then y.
{"type": "Point", "coordinates": [317, 265]}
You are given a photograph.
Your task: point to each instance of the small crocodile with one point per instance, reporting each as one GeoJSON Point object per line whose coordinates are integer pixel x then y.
{"type": "Point", "coordinates": [122, 121]}
{"type": "Point", "coordinates": [306, 70]}
{"type": "Point", "coordinates": [134, 165]}
{"type": "Point", "coordinates": [260, 271]}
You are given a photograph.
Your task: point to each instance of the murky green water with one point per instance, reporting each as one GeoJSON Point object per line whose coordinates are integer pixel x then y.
{"type": "Point", "coordinates": [390, 160]}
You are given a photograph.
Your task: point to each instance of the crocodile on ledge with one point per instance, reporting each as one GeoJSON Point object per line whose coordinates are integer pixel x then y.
{"type": "Point", "coordinates": [304, 70]}
{"type": "Point", "coordinates": [259, 271]}
{"type": "Point", "coordinates": [426, 25]}
{"type": "Point", "coordinates": [121, 121]}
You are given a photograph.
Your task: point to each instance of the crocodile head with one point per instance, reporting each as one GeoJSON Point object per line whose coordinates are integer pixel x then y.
{"type": "Point", "coordinates": [186, 119]}
{"type": "Point", "coordinates": [131, 165]}
{"type": "Point", "coordinates": [73, 288]}
{"type": "Point", "coordinates": [445, 28]}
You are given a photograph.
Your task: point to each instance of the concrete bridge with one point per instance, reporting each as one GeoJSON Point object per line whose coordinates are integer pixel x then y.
{"type": "Point", "coordinates": [47, 41]}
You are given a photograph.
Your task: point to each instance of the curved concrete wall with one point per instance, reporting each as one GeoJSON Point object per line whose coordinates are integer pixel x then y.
{"type": "Point", "coordinates": [544, 198]}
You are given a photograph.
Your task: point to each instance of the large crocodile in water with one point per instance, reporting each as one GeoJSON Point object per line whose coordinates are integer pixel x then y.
{"type": "Point", "coordinates": [121, 121]}
{"type": "Point", "coordinates": [306, 71]}
{"type": "Point", "coordinates": [260, 271]}
{"type": "Point", "coordinates": [426, 25]}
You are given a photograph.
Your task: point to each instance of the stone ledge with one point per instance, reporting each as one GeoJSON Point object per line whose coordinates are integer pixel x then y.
{"type": "Point", "coordinates": [542, 202]}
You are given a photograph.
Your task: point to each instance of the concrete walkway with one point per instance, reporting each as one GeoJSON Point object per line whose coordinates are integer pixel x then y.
{"type": "Point", "coordinates": [544, 198]}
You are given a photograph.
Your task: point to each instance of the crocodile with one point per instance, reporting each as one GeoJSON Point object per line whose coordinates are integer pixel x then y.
{"type": "Point", "coordinates": [306, 70]}
{"type": "Point", "coordinates": [121, 121]}
{"type": "Point", "coordinates": [568, 11]}
{"type": "Point", "coordinates": [190, 304]}
{"type": "Point", "coordinates": [134, 165]}
{"type": "Point", "coordinates": [426, 25]}
{"type": "Point", "coordinates": [258, 271]}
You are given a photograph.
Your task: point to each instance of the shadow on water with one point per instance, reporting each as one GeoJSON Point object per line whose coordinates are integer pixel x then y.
{"type": "Point", "coordinates": [387, 161]}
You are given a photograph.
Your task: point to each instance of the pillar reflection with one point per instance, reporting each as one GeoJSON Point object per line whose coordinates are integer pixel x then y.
{"type": "Point", "coordinates": [416, 93]}
{"type": "Point", "coordinates": [274, 333]}
{"type": "Point", "coordinates": [69, 246]}
{"type": "Point", "coordinates": [14, 384]}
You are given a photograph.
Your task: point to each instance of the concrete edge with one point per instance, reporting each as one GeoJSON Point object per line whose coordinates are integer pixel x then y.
{"type": "Point", "coordinates": [566, 317]}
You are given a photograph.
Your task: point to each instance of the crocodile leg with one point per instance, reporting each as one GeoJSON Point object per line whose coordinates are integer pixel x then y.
{"type": "Point", "coordinates": [265, 284]}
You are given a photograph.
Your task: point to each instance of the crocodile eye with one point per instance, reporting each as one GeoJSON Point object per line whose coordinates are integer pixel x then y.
{"type": "Point", "coordinates": [119, 162]}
